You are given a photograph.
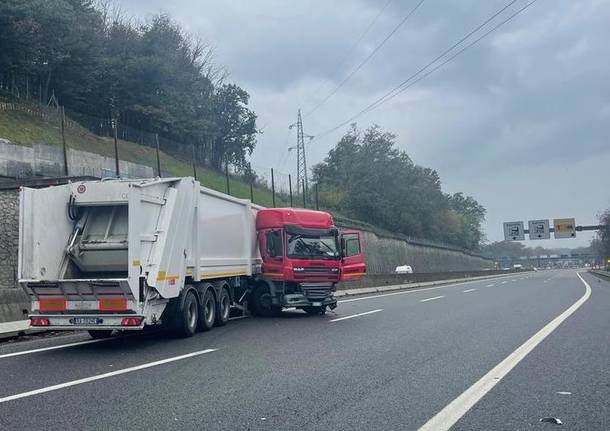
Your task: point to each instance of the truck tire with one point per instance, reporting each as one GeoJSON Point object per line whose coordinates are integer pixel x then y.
{"type": "Point", "coordinates": [315, 310]}
{"type": "Point", "coordinates": [100, 333]}
{"type": "Point", "coordinates": [207, 314]}
{"type": "Point", "coordinates": [261, 301]}
{"type": "Point", "coordinates": [223, 308]}
{"type": "Point", "coordinates": [189, 315]}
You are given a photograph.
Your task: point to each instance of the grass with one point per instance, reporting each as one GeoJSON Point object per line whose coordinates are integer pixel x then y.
{"type": "Point", "coordinates": [23, 128]}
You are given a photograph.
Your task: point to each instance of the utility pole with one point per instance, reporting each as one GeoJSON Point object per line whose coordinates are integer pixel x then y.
{"type": "Point", "coordinates": [300, 147]}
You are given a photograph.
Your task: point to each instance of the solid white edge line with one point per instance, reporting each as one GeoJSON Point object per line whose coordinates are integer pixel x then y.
{"type": "Point", "coordinates": [61, 346]}
{"type": "Point", "coordinates": [103, 376]}
{"type": "Point", "coordinates": [431, 299]}
{"type": "Point", "coordinates": [449, 415]}
{"type": "Point", "coordinates": [468, 290]}
{"type": "Point", "coordinates": [356, 315]}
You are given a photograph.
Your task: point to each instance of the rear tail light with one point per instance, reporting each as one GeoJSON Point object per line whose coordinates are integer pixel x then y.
{"type": "Point", "coordinates": [131, 321]}
{"type": "Point", "coordinates": [39, 321]}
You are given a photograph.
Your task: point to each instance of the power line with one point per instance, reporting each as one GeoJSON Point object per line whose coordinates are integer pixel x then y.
{"type": "Point", "coordinates": [366, 60]}
{"type": "Point", "coordinates": [353, 47]}
{"type": "Point", "coordinates": [405, 85]}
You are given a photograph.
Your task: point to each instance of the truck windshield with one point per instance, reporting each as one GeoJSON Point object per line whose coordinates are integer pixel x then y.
{"type": "Point", "coordinates": [312, 247]}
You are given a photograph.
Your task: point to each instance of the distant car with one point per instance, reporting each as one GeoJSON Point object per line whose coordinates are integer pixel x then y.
{"type": "Point", "coordinates": [403, 269]}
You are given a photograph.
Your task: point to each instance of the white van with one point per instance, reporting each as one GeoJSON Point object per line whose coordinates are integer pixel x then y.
{"type": "Point", "coordinates": [403, 269]}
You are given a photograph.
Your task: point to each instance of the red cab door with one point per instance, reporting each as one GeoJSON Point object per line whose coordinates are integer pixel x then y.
{"type": "Point", "coordinates": [272, 250]}
{"type": "Point", "coordinates": [353, 266]}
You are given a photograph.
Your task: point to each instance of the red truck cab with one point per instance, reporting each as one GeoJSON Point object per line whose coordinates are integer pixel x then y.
{"type": "Point", "coordinates": [304, 256]}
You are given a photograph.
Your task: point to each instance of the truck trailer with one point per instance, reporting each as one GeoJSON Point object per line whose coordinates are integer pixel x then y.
{"type": "Point", "coordinates": [124, 254]}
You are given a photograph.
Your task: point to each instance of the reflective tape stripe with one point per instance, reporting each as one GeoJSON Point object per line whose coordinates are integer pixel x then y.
{"type": "Point", "coordinates": [57, 304]}
{"type": "Point", "coordinates": [112, 304]}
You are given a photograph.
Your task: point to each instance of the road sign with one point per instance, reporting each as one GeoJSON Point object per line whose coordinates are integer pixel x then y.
{"type": "Point", "coordinates": [564, 228]}
{"type": "Point", "coordinates": [514, 231]}
{"type": "Point", "coordinates": [539, 229]}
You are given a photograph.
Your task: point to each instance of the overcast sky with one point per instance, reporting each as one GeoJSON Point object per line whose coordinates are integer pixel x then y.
{"type": "Point", "coordinates": [520, 121]}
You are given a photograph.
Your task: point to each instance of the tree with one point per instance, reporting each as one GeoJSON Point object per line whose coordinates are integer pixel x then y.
{"type": "Point", "coordinates": [153, 77]}
{"type": "Point", "coordinates": [602, 245]}
{"type": "Point", "coordinates": [366, 177]}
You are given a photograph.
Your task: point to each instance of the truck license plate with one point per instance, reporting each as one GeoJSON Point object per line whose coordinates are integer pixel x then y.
{"type": "Point", "coordinates": [316, 304]}
{"type": "Point", "coordinates": [86, 321]}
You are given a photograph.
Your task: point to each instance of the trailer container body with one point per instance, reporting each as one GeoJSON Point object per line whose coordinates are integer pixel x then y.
{"type": "Point", "coordinates": [122, 254]}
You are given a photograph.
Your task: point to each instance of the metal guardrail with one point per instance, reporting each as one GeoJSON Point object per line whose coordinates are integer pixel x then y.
{"type": "Point", "coordinates": [603, 274]}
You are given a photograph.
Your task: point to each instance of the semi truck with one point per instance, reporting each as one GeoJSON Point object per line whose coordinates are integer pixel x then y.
{"type": "Point", "coordinates": [124, 254]}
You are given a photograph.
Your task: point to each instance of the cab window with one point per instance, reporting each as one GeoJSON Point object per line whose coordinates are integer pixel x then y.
{"type": "Point", "coordinates": [274, 243]}
{"type": "Point", "coordinates": [352, 245]}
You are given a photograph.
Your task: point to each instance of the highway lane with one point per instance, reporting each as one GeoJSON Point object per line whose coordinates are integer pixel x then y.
{"type": "Point", "coordinates": [386, 369]}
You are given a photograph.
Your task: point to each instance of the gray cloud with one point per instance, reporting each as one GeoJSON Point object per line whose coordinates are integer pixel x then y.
{"type": "Point", "coordinates": [511, 121]}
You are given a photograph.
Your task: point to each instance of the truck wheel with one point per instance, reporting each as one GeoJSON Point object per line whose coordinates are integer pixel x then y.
{"type": "Point", "coordinates": [224, 308]}
{"type": "Point", "coordinates": [315, 310]}
{"type": "Point", "coordinates": [208, 311]}
{"type": "Point", "coordinates": [261, 302]}
{"type": "Point", "coordinates": [187, 324]}
{"type": "Point", "coordinates": [100, 333]}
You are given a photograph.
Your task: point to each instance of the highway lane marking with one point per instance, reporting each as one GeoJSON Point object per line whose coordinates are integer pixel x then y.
{"type": "Point", "coordinates": [468, 290]}
{"type": "Point", "coordinates": [448, 416]}
{"type": "Point", "coordinates": [431, 299]}
{"type": "Point", "coordinates": [490, 285]}
{"type": "Point", "coordinates": [103, 376]}
{"type": "Point", "coordinates": [504, 282]}
{"type": "Point", "coordinates": [415, 290]}
{"type": "Point", "coordinates": [61, 346]}
{"type": "Point", "coordinates": [356, 315]}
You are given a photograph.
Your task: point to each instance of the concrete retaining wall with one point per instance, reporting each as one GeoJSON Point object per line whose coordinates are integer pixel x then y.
{"type": "Point", "coordinates": [383, 255]}
{"type": "Point", "coordinates": [14, 305]}
{"type": "Point", "coordinates": [9, 238]}
{"type": "Point", "coordinates": [18, 161]}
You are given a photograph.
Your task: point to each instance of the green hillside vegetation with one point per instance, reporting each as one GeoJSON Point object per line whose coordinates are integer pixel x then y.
{"type": "Point", "coordinates": [153, 80]}
{"type": "Point", "coordinates": [25, 129]}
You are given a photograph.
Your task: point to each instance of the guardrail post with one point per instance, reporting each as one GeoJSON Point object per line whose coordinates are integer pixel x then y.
{"type": "Point", "coordinates": [158, 158]}
{"type": "Point", "coordinates": [63, 140]}
{"type": "Point", "coordinates": [272, 188]}
{"type": "Point", "coordinates": [116, 149]}
{"type": "Point", "coordinates": [227, 177]}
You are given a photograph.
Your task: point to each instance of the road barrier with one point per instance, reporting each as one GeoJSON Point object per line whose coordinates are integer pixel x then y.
{"type": "Point", "coordinates": [602, 274]}
{"type": "Point", "coordinates": [378, 280]}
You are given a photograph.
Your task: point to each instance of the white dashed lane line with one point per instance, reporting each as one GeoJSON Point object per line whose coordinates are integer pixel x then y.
{"type": "Point", "coordinates": [469, 290]}
{"type": "Point", "coordinates": [356, 315]}
{"type": "Point", "coordinates": [431, 299]}
{"type": "Point", "coordinates": [104, 376]}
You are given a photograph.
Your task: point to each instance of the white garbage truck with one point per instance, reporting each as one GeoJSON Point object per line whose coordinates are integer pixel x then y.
{"type": "Point", "coordinates": [122, 254]}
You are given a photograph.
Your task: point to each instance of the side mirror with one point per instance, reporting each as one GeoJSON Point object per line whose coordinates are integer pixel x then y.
{"type": "Point", "coordinates": [342, 247]}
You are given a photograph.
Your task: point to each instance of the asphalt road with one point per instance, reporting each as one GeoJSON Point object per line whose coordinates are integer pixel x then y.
{"type": "Point", "coordinates": [381, 362]}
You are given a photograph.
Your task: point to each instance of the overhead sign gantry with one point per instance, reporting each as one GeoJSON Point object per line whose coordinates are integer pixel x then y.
{"type": "Point", "coordinates": [540, 229]}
